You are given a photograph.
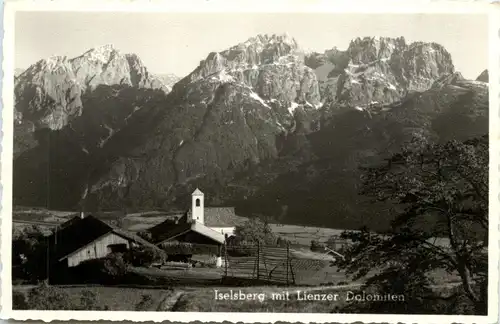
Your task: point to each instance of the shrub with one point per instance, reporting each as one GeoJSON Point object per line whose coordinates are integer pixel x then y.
{"type": "Point", "coordinates": [255, 231]}
{"type": "Point", "coordinates": [241, 249]}
{"type": "Point", "coordinates": [108, 270]}
{"type": "Point", "coordinates": [281, 242]}
{"type": "Point", "coordinates": [146, 235]}
{"type": "Point", "coordinates": [144, 256]}
{"type": "Point", "coordinates": [316, 246]}
{"type": "Point", "coordinates": [45, 297]}
{"type": "Point", "coordinates": [145, 303]}
{"type": "Point", "coordinates": [29, 255]}
{"type": "Point", "coordinates": [89, 300]}
{"type": "Point", "coordinates": [19, 301]}
{"type": "Point", "coordinates": [115, 266]}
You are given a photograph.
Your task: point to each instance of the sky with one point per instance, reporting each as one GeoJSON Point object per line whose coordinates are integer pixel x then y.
{"type": "Point", "coordinates": [176, 43]}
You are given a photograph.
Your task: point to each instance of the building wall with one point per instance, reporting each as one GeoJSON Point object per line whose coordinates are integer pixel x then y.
{"type": "Point", "coordinates": [197, 212]}
{"type": "Point", "coordinates": [224, 230]}
{"type": "Point", "coordinates": [96, 249]}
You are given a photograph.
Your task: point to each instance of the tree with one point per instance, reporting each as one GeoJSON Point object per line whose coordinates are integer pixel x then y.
{"type": "Point", "coordinates": [114, 266]}
{"type": "Point", "coordinates": [255, 231]}
{"type": "Point", "coordinates": [29, 255]}
{"type": "Point", "coordinates": [316, 246]}
{"type": "Point", "coordinates": [45, 297]}
{"type": "Point", "coordinates": [440, 197]}
{"type": "Point", "coordinates": [144, 256]}
{"type": "Point", "coordinates": [146, 235]}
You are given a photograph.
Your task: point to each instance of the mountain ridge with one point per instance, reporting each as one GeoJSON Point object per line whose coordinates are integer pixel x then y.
{"type": "Point", "coordinates": [290, 109]}
{"type": "Point", "coordinates": [49, 92]}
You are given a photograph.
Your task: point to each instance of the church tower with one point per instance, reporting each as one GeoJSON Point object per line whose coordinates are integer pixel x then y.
{"type": "Point", "coordinates": [198, 206]}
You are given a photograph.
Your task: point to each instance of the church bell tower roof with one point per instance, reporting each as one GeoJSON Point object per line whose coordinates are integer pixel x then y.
{"type": "Point", "coordinates": [197, 192]}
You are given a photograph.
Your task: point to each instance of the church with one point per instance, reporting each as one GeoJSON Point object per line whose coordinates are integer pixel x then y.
{"type": "Point", "coordinates": [199, 224]}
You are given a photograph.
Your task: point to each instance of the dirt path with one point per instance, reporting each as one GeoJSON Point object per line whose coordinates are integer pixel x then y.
{"type": "Point", "coordinates": [169, 301]}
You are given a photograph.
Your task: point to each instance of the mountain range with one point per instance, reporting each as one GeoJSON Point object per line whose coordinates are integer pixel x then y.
{"type": "Point", "coordinates": [264, 126]}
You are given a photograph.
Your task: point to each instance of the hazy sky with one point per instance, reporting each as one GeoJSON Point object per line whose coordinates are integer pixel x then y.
{"type": "Point", "coordinates": [176, 43]}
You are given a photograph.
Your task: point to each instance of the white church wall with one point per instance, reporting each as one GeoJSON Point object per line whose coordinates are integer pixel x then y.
{"type": "Point", "coordinates": [198, 206]}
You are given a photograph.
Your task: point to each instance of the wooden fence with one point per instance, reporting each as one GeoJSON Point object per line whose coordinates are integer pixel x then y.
{"type": "Point", "coordinates": [242, 264]}
{"type": "Point", "coordinates": [259, 263]}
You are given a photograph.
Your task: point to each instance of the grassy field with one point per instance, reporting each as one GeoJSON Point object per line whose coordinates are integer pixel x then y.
{"type": "Point", "coordinates": [118, 299]}
{"type": "Point", "coordinates": [303, 235]}
{"type": "Point", "coordinates": [296, 234]}
{"type": "Point", "coordinates": [133, 222]}
{"type": "Point", "coordinates": [204, 299]}
{"type": "Point", "coordinates": [263, 299]}
{"type": "Point", "coordinates": [221, 299]}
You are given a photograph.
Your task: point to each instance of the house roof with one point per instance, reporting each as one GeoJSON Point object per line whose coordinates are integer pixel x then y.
{"type": "Point", "coordinates": [133, 237]}
{"type": "Point", "coordinates": [75, 234]}
{"type": "Point", "coordinates": [79, 232]}
{"type": "Point", "coordinates": [159, 231]}
{"type": "Point", "coordinates": [208, 232]}
{"type": "Point", "coordinates": [201, 229]}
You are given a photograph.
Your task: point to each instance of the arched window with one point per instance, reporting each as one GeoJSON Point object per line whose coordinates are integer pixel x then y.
{"type": "Point", "coordinates": [198, 202]}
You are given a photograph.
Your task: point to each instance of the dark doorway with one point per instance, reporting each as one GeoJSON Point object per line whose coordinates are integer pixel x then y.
{"type": "Point", "coordinates": [117, 248]}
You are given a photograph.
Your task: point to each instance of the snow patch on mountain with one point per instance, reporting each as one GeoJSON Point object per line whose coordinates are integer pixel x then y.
{"type": "Point", "coordinates": [392, 87]}
{"type": "Point", "coordinates": [101, 54]}
{"type": "Point", "coordinates": [292, 107]}
{"type": "Point", "coordinates": [255, 96]}
{"type": "Point", "coordinates": [225, 77]}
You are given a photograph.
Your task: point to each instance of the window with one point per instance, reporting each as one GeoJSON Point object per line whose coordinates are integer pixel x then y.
{"type": "Point", "coordinates": [198, 202]}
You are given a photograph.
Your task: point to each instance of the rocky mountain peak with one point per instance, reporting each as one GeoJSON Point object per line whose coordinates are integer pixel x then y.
{"type": "Point", "coordinates": [53, 64]}
{"type": "Point", "coordinates": [369, 49]}
{"type": "Point", "coordinates": [274, 39]}
{"type": "Point", "coordinates": [484, 76]}
{"type": "Point", "coordinates": [137, 148]}
{"type": "Point", "coordinates": [102, 54]}
{"type": "Point", "coordinates": [49, 92]}
{"type": "Point", "coordinates": [377, 71]}
{"type": "Point", "coordinates": [255, 51]}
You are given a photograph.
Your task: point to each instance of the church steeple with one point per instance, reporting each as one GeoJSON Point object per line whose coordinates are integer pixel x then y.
{"type": "Point", "coordinates": [197, 206]}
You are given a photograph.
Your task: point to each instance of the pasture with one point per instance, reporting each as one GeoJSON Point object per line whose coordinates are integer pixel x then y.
{"type": "Point", "coordinates": [135, 222]}
{"type": "Point", "coordinates": [116, 298]}
{"type": "Point", "coordinates": [263, 299]}
{"type": "Point", "coordinates": [298, 235]}
{"type": "Point", "coordinates": [303, 235]}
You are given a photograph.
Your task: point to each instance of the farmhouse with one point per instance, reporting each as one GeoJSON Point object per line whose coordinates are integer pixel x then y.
{"type": "Point", "coordinates": [85, 238]}
{"type": "Point", "coordinates": [199, 231]}
{"type": "Point", "coordinates": [199, 224]}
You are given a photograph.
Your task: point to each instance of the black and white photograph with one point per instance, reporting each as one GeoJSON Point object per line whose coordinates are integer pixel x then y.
{"type": "Point", "coordinates": [250, 162]}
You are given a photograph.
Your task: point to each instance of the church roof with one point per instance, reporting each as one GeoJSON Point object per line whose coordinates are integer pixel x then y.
{"type": "Point", "coordinates": [197, 192]}
{"type": "Point", "coordinates": [213, 217]}
{"type": "Point", "coordinates": [222, 217]}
